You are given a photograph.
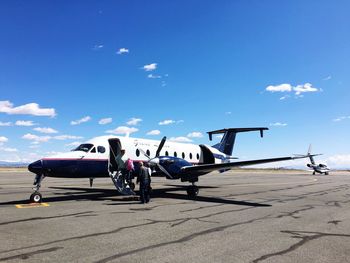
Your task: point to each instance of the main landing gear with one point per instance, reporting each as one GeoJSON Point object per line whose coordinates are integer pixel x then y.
{"type": "Point", "coordinates": [192, 191]}
{"type": "Point", "coordinates": [36, 196]}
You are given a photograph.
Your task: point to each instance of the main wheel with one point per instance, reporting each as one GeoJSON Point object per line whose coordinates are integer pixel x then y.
{"type": "Point", "coordinates": [35, 197]}
{"type": "Point", "coordinates": [326, 173]}
{"type": "Point", "coordinates": [192, 191]}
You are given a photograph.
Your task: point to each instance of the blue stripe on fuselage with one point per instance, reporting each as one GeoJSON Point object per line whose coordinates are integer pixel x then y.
{"type": "Point", "coordinates": [75, 168]}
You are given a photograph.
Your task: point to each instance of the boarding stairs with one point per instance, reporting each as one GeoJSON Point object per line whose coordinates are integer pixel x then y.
{"type": "Point", "coordinates": [120, 184]}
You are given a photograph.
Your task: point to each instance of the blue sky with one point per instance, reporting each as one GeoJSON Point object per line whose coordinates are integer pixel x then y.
{"type": "Point", "coordinates": [203, 65]}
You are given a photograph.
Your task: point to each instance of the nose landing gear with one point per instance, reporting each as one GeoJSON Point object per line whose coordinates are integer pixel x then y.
{"type": "Point", "coordinates": [36, 196]}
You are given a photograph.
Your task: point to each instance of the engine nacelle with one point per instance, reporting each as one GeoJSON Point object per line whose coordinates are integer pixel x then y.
{"type": "Point", "coordinates": [173, 165]}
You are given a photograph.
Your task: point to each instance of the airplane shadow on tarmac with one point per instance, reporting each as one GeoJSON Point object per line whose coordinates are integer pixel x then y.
{"type": "Point", "coordinates": [98, 194]}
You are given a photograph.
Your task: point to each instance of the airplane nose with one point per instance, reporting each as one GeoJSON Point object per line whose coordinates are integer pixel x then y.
{"type": "Point", "coordinates": [36, 167]}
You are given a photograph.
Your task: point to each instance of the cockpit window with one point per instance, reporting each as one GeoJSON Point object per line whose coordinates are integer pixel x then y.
{"type": "Point", "coordinates": [93, 150]}
{"type": "Point", "coordinates": [101, 149]}
{"type": "Point", "coordinates": [85, 147]}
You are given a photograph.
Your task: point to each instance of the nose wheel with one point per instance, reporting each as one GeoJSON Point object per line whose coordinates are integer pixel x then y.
{"type": "Point", "coordinates": [36, 197]}
{"type": "Point", "coordinates": [192, 191]}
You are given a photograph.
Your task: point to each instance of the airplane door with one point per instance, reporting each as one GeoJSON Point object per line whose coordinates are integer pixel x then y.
{"type": "Point", "coordinates": [114, 150]}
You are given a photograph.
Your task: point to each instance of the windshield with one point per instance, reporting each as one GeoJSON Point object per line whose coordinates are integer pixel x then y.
{"type": "Point", "coordinates": [85, 147]}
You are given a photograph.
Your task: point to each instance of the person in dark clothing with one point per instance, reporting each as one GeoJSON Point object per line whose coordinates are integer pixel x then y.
{"type": "Point", "coordinates": [144, 178]}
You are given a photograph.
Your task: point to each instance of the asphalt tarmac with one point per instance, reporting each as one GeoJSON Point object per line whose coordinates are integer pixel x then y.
{"type": "Point", "coordinates": [239, 216]}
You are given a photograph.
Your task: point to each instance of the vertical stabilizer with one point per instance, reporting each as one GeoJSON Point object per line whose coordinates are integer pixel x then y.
{"type": "Point", "coordinates": [310, 156]}
{"type": "Point", "coordinates": [228, 140]}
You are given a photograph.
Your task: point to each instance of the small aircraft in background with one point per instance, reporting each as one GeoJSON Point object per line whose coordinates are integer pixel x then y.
{"type": "Point", "coordinates": [174, 161]}
{"type": "Point", "coordinates": [318, 168]}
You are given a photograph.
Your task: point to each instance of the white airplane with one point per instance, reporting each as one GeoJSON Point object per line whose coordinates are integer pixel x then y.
{"type": "Point", "coordinates": [318, 168]}
{"type": "Point", "coordinates": [175, 161]}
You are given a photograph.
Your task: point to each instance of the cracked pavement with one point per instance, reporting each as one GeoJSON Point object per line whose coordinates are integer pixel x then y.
{"type": "Point", "coordinates": [239, 216]}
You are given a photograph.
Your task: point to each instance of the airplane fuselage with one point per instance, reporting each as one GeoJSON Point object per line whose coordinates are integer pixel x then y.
{"type": "Point", "coordinates": [92, 159]}
{"type": "Point", "coordinates": [319, 168]}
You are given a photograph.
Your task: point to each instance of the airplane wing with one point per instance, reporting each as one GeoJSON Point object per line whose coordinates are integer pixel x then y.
{"type": "Point", "coordinates": [205, 168]}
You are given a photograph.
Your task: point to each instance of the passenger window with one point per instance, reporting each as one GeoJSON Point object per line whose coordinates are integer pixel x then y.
{"type": "Point", "coordinates": [191, 156]}
{"type": "Point", "coordinates": [101, 149]}
{"type": "Point", "coordinates": [197, 156]}
{"type": "Point", "coordinates": [93, 150]}
{"type": "Point", "coordinates": [166, 153]}
{"type": "Point", "coordinates": [137, 152]}
{"type": "Point", "coordinates": [183, 155]}
{"type": "Point", "coordinates": [175, 154]}
{"type": "Point", "coordinates": [148, 153]}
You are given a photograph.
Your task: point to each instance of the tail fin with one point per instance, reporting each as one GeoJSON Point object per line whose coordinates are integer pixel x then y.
{"type": "Point", "coordinates": [310, 155]}
{"type": "Point", "coordinates": [228, 140]}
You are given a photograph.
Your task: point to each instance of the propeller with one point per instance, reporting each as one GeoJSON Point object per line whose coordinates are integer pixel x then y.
{"type": "Point", "coordinates": [160, 146]}
{"type": "Point", "coordinates": [155, 160]}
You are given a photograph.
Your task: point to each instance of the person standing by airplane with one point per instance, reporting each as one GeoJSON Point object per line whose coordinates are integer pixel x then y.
{"type": "Point", "coordinates": [121, 162]}
{"type": "Point", "coordinates": [130, 170]}
{"type": "Point", "coordinates": [144, 178]}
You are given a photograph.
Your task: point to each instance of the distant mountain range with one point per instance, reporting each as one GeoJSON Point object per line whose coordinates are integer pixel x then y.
{"type": "Point", "coordinates": [13, 164]}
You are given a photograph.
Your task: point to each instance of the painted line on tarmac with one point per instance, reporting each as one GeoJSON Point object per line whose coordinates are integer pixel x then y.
{"type": "Point", "coordinates": [32, 205]}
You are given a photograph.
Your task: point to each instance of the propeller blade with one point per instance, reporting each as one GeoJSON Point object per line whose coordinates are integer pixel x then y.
{"type": "Point", "coordinates": [164, 170]}
{"type": "Point", "coordinates": [160, 146]}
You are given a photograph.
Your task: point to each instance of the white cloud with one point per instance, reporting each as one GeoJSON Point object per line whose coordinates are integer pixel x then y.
{"type": "Point", "coordinates": [134, 121]}
{"type": "Point", "coordinates": [219, 136]}
{"type": "Point", "coordinates": [327, 78]}
{"type": "Point", "coordinates": [66, 137]}
{"type": "Point", "coordinates": [341, 118]}
{"type": "Point", "coordinates": [166, 122]}
{"type": "Point", "coordinates": [24, 123]}
{"type": "Point", "coordinates": [45, 130]}
{"type": "Point", "coordinates": [284, 97]}
{"type": "Point", "coordinates": [3, 139]}
{"type": "Point", "coordinates": [150, 67]}
{"type": "Point", "coordinates": [7, 149]}
{"type": "Point", "coordinates": [73, 144]}
{"type": "Point", "coordinates": [151, 76]}
{"type": "Point", "coordinates": [2, 124]}
{"type": "Point", "coordinates": [280, 88]}
{"type": "Point", "coordinates": [82, 120]}
{"type": "Point", "coordinates": [122, 51]}
{"type": "Point", "coordinates": [228, 112]}
{"type": "Point", "coordinates": [97, 47]}
{"type": "Point", "coordinates": [30, 109]}
{"type": "Point", "coordinates": [36, 138]}
{"type": "Point", "coordinates": [123, 130]}
{"type": "Point", "coordinates": [195, 135]}
{"type": "Point", "coordinates": [20, 156]}
{"type": "Point", "coordinates": [153, 132]}
{"type": "Point", "coordinates": [105, 121]}
{"type": "Point", "coordinates": [339, 161]}
{"type": "Point", "coordinates": [278, 124]}
{"type": "Point", "coordinates": [307, 87]}
{"type": "Point", "coordinates": [299, 89]}
{"type": "Point", "coordinates": [180, 139]}
{"type": "Point", "coordinates": [34, 146]}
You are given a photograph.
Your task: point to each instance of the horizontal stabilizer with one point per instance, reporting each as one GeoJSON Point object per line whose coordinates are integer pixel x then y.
{"type": "Point", "coordinates": [228, 139]}
{"type": "Point", "coordinates": [237, 130]}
